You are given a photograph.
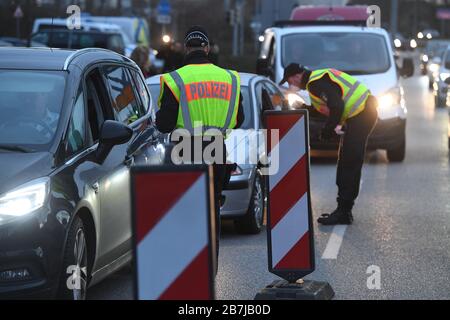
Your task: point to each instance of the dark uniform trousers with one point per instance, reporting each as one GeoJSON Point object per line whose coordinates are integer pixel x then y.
{"type": "Point", "coordinates": [352, 151]}
{"type": "Point", "coordinates": [221, 172]}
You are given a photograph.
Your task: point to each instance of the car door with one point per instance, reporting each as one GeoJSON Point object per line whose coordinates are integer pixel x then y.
{"type": "Point", "coordinates": [115, 200]}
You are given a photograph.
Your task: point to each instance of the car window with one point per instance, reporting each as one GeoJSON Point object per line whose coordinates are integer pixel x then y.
{"type": "Point", "coordinates": [116, 44]}
{"type": "Point", "coordinates": [94, 106]}
{"type": "Point", "coordinates": [76, 135]}
{"type": "Point", "coordinates": [248, 109]}
{"type": "Point", "coordinates": [125, 105]}
{"type": "Point", "coordinates": [141, 89]}
{"type": "Point", "coordinates": [30, 107]}
{"type": "Point", "coordinates": [275, 95]}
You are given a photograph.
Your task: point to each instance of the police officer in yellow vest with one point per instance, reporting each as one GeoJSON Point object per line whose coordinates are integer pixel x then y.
{"type": "Point", "coordinates": [199, 97]}
{"type": "Point", "coordinates": [352, 114]}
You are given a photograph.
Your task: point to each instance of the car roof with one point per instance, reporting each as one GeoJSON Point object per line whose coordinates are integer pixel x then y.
{"type": "Point", "coordinates": [54, 59]}
{"type": "Point", "coordinates": [33, 58]}
{"type": "Point", "coordinates": [246, 78]}
{"type": "Point", "coordinates": [327, 28]}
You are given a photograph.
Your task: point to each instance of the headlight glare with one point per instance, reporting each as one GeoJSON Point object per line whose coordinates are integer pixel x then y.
{"type": "Point", "coordinates": [25, 199]}
{"type": "Point", "coordinates": [295, 100]}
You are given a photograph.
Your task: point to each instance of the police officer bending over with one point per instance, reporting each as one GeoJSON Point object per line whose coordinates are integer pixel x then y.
{"type": "Point", "coordinates": [352, 114]}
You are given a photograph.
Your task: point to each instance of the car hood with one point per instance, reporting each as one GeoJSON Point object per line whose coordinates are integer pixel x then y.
{"type": "Point", "coordinates": [244, 146]}
{"type": "Point", "coordinates": [19, 168]}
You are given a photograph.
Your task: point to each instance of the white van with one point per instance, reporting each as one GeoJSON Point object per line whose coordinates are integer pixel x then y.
{"type": "Point", "coordinates": [365, 53]}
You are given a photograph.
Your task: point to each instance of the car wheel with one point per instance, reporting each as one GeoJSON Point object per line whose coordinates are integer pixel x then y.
{"type": "Point", "coordinates": [397, 154]}
{"type": "Point", "coordinates": [74, 279]}
{"type": "Point", "coordinates": [252, 222]}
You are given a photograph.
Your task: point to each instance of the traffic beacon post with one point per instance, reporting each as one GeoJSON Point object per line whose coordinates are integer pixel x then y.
{"type": "Point", "coordinates": [173, 232]}
{"type": "Point", "coordinates": [289, 217]}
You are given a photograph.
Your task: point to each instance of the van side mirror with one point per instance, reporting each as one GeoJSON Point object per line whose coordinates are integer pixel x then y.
{"type": "Point", "coordinates": [112, 133]}
{"type": "Point", "coordinates": [407, 69]}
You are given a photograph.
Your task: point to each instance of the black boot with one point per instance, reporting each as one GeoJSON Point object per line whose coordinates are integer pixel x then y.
{"type": "Point", "coordinates": [338, 216]}
{"type": "Point", "coordinates": [342, 215]}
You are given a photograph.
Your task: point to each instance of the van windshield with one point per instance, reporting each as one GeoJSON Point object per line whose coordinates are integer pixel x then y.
{"type": "Point", "coordinates": [350, 52]}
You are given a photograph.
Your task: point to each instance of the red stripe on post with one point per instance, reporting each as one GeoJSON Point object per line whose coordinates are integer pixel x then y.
{"type": "Point", "coordinates": [288, 191]}
{"type": "Point", "coordinates": [155, 204]}
{"type": "Point", "coordinates": [283, 123]}
{"type": "Point", "coordinates": [298, 257]}
{"type": "Point", "coordinates": [191, 284]}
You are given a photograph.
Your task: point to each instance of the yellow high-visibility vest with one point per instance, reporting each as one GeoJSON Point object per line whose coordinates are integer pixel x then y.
{"type": "Point", "coordinates": [208, 96]}
{"type": "Point", "coordinates": [354, 93]}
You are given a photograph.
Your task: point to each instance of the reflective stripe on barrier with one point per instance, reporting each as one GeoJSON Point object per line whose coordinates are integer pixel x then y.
{"type": "Point", "coordinates": [290, 228]}
{"type": "Point", "coordinates": [173, 232]}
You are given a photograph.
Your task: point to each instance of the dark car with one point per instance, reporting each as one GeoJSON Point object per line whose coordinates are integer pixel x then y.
{"type": "Point", "coordinates": [71, 125]}
{"type": "Point", "coordinates": [80, 39]}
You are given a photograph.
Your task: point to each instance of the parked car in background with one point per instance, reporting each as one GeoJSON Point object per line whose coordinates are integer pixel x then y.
{"type": "Point", "coordinates": [246, 194]}
{"type": "Point", "coordinates": [79, 39]}
{"type": "Point", "coordinates": [432, 54]}
{"type": "Point", "coordinates": [68, 137]}
{"type": "Point", "coordinates": [440, 87]}
{"type": "Point", "coordinates": [133, 30]}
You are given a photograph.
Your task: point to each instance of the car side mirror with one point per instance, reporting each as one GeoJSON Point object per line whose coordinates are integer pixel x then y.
{"type": "Point", "coordinates": [447, 80]}
{"type": "Point", "coordinates": [407, 69]}
{"type": "Point", "coordinates": [112, 133]}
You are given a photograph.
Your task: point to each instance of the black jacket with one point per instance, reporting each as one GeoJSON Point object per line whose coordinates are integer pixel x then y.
{"type": "Point", "coordinates": [332, 94]}
{"type": "Point", "coordinates": [166, 117]}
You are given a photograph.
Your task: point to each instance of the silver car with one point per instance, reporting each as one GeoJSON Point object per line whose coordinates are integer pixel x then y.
{"type": "Point", "coordinates": [246, 193]}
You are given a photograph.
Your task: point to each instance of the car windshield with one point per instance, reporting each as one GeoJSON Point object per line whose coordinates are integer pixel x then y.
{"type": "Point", "coordinates": [30, 107]}
{"type": "Point", "coordinates": [351, 52]}
{"type": "Point", "coordinates": [247, 104]}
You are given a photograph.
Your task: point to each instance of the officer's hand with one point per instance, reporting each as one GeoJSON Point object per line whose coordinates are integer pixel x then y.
{"type": "Point", "coordinates": [326, 134]}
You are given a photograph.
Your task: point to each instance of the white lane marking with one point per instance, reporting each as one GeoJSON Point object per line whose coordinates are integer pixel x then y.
{"type": "Point", "coordinates": [335, 242]}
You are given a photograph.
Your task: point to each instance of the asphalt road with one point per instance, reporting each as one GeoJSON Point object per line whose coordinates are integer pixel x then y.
{"type": "Point", "coordinates": [402, 224]}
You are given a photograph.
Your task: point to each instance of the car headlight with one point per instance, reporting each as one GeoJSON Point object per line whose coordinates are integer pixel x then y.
{"type": "Point", "coordinates": [294, 100]}
{"type": "Point", "coordinates": [389, 99]}
{"type": "Point", "coordinates": [25, 199]}
{"type": "Point", "coordinates": [391, 104]}
{"type": "Point", "coordinates": [413, 43]}
{"type": "Point", "coordinates": [425, 58]}
{"type": "Point", "coordinates": [397, 43]}
{"type": "Point", "coordinates": [444, 75]}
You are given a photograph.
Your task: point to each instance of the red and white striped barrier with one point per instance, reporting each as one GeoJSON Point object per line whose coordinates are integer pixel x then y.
{"type": "Point", "coordinates": [290, 230]}
{"type": "Point", "coordinates": [173, 233]}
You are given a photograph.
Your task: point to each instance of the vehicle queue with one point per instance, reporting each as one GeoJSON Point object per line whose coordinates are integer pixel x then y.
{"type": "Point", "coordinates": [67, 164]}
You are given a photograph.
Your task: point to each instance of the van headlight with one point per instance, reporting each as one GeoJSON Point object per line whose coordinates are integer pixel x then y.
{"type": "Point", "coordinates": [389, 99]}
{"type": "Point", "coordinates": [24, 199]}
{"type": "Point", "coordinates": [391, 104]}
